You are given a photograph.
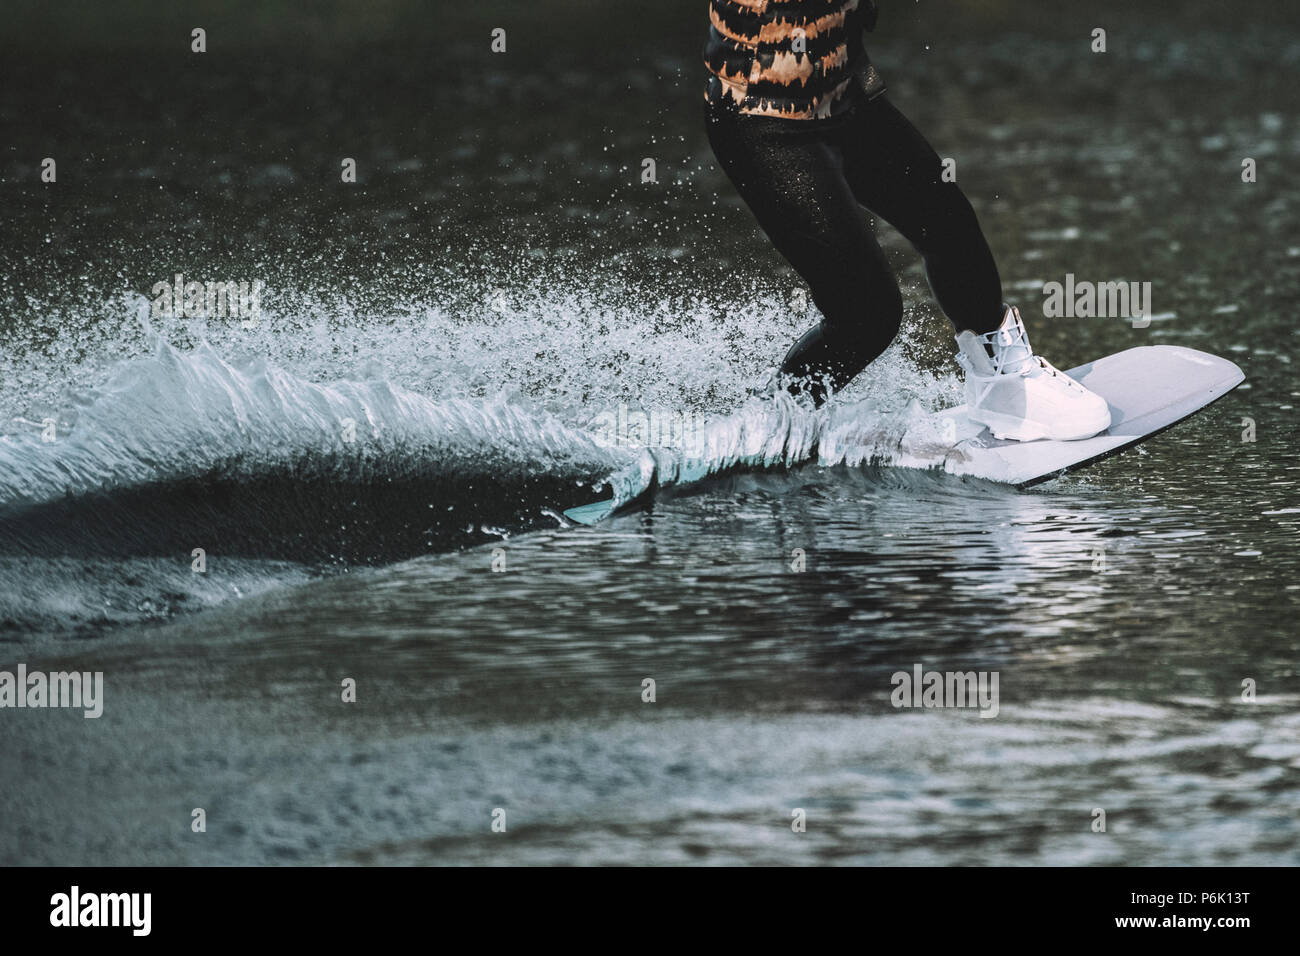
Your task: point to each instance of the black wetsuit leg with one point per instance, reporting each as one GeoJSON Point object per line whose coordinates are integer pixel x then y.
{"type": "Point", "coordinates": [896, 174]}
{"type": "Point", "coordinates": [804, 180]}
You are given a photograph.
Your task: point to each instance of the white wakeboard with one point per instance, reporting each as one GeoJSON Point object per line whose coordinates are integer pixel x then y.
{"type": "Point", "coordinates": [1148, 389]}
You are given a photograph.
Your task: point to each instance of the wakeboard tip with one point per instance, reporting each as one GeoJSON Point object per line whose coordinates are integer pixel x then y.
{"type": "Point", "coordinates": [591, 514]}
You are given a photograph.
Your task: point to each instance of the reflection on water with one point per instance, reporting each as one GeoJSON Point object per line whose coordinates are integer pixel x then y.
{"type": "Point", "coordinates": [1119, 689]}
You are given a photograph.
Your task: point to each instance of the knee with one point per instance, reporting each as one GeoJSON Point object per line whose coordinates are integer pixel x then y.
{"type": "Point", "coordinates": [869, 319]}
{"type": "Point", "coordinates": [883, 306]}
{"type": "Point", "coordinates": [891, 310]}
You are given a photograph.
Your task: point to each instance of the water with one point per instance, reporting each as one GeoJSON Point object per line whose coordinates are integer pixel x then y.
{"type": "Point", "coordinates": [497, 281]}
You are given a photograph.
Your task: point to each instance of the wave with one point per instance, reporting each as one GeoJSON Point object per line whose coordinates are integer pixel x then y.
{"type": "Point", "coordinates": [782, 433]}
{"type": "Point", "coordinates": [187, 450]}
{"type": "Point", "coordinates": [277, 479]}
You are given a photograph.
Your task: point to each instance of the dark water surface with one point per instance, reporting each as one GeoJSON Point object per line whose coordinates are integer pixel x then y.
{"type": "Point", "coordinates": [498, 279]}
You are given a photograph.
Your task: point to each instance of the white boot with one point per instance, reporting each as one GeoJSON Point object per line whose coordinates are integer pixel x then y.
{"type": "Point", "coordinates": [1018, 394]}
